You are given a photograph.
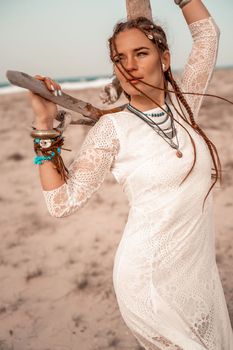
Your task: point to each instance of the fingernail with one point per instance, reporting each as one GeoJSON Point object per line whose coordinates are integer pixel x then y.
{"type": "Point", "coordinates": [59, 92]}
{"type": "Point", "coordinates": [52, 87]}
{"type": "Point", "coordinates": [55, 92]}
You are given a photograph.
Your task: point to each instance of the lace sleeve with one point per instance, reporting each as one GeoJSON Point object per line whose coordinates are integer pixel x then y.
{"type": "Point", "coordinates": [199, 68]}
{"type": "Point", "coordinates": [88, 170]}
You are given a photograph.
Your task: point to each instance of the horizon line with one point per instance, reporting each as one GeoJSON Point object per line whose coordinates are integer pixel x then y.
{"type": "Point", "coordinates": [95, 77]}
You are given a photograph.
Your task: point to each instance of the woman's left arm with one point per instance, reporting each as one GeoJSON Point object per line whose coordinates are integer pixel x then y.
{"type": "Point", "coordinates": [195, 11]}
{"type": "Point", "coordinates": [202, 59]}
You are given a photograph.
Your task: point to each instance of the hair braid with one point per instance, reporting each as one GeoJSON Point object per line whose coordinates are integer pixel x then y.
{"type": "Point", "coordinates": [211, 146]}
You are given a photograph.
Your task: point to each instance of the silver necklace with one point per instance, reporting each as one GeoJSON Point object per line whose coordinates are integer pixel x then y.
{"type": "Point", "coordinates": [159, 131]}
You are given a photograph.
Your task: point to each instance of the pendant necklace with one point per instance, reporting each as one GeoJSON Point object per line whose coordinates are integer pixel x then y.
{"type": "Point", "coordinates": [159, 130]}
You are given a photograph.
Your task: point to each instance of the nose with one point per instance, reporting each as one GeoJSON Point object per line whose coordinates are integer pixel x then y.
{"type": "Point", "coordinates": [130, 64]}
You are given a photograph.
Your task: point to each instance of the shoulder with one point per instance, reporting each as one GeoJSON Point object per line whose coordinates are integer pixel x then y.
{"type": "Point", "coordinates": [112, 120]}
{"type": "Point", "coordinates": [105, 122]}
{"type": "Point", "coordinates": [114, 116]}
{"type": "Point", "coordinates": [103, 134]}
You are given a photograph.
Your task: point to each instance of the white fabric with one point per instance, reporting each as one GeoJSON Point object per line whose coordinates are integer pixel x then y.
{"type": "Point", "coordinates": [165, 274]}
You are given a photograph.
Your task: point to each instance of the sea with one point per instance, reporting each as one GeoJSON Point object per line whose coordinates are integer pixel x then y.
{"type": "Point", "coordinates": [70, 83]}
{"type": "Point", "coordinates": [82, 82]}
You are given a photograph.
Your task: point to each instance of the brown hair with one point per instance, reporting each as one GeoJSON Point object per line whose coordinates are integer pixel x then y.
{"type": "Point", "coordinates": [158, 37]}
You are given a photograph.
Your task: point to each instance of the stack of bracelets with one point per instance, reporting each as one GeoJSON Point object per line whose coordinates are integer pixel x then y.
{"type": "Point", "coordinates": [48, 145]}
{"type": "Point", "coordinates": [182, 3]}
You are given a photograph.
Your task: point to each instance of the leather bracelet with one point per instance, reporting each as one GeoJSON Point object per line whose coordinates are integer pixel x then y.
{"type": "Point", "coordinates": [50, 150]}
{"type": "Point", "coordinates": [182, 3]}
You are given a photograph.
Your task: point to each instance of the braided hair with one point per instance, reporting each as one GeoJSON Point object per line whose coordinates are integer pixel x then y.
{"type": "Point", "coordinates": [157, 35]}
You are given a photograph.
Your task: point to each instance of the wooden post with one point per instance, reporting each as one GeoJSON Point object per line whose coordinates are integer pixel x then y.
{"type": "Point", "coordinates": [136, 8]}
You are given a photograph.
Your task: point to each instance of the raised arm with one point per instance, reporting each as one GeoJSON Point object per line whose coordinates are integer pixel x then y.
{"type": "Point", "coordinates": [88, 170]}
{"type": "Point", "coordinates": [194, 11]}
{"type": "Point", "coordinates": [202, 59]}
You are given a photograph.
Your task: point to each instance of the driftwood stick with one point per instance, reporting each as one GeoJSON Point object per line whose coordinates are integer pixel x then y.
{"type": "Point", "coordinates": [86, 109]}
{"type": "Point", "coordinates": [136, 8]}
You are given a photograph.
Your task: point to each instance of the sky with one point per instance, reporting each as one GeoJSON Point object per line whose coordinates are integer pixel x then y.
{"type": "Point", "coordinates": [68, 38]}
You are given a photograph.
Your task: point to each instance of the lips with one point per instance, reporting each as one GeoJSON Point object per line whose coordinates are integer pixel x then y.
{"type": "Point", "coordinates": [134, 80]}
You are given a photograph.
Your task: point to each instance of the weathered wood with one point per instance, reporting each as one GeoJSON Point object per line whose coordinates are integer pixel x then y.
{"type": "Point", "coordinates": [86, 109]}
{"type": "Point", "coordinates": [136, 8]}
{"type": "Point", "coordinates": [26, 81]}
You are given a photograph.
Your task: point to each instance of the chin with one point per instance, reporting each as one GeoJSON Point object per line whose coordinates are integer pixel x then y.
{"type": "Point", "coordinates": [133, 92]}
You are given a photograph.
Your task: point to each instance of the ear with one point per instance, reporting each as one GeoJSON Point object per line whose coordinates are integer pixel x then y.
{"type": "Point", "coordinates": [166, 59]}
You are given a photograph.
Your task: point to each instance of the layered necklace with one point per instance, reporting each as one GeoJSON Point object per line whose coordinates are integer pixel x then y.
{"type": "Point", "coordinates": [155, 126]}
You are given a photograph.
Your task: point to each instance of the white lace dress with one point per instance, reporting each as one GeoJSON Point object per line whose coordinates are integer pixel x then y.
{"type": "Point", "coordinates": [165, 275]}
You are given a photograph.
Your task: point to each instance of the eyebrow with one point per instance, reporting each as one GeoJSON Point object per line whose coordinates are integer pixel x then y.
{"type": "Point", "coordinates": [135, 50]}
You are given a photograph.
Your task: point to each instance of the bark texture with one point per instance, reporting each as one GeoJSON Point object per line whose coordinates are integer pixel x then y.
{"type": "Point", "coordinates": [86, 109]}
{"type": "Point", "coordinates": [136, 8]}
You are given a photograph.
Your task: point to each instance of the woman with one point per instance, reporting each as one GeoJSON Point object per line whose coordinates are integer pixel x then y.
{"type": "Point", "coordinates": [165, 274]}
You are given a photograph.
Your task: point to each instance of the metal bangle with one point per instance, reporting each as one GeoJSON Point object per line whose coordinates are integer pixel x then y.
{"type": "Point", "coordinates": [182, 3]}
{"type": "Point", "coordinates": [45, 134]}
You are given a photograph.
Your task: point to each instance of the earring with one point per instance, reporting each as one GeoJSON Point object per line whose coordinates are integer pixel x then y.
{"type": "Point", "coordinates": [164, 67]}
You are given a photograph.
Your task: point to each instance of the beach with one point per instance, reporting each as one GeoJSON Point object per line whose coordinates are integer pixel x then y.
{"type": "Point", "coordinates": [56, 274]}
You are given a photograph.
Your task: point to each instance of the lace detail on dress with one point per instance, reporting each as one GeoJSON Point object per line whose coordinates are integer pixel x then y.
{"type": "Point", "coordinates": [168, 344]}
{"type": "Point", "coordinates": [88, 170]}
{"type": "Point", "coordinates": [156, 343]}
{"type": "Point", "coordinates": [199, 68]}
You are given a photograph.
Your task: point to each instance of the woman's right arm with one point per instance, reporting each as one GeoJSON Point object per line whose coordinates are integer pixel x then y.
{"type": "Point", "coordinates": [88, 170]}
{"type": "Point", "coordinates": [45, 112]}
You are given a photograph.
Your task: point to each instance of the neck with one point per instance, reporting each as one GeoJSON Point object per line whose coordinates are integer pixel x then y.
{"type": "Point", "coordinates": [144, 104]}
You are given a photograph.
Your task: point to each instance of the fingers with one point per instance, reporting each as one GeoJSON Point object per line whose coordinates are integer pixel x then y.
{"type": "Point", "coordinates": [51, 85]}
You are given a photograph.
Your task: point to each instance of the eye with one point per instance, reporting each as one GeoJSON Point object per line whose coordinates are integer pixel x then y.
{"type": "Point", "coordinates": [142, 53]}
{"type": "Point", "coordinates": [117, 59]}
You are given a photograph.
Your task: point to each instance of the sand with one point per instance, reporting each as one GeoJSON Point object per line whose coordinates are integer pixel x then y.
{"type": "Point", "coordinates": [56, 274]}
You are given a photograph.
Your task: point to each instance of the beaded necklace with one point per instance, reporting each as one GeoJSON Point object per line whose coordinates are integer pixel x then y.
{"type": "Point", "coordinates": [159, 130]}
{"type": "Point", "coordinates": [155, 114]}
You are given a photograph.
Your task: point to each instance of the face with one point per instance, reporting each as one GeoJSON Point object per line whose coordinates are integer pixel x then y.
{"type": "Point", "coordinates": [140, 58]}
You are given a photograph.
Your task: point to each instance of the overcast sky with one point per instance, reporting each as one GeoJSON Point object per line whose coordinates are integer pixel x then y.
{"type": "Point", "coordinates": [66, 38]}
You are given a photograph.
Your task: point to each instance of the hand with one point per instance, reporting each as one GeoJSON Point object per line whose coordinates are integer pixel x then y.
{"type": "Point", "coordinates": [45, 111]}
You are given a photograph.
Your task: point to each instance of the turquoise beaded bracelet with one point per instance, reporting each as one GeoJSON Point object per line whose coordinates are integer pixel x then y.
{"type": "Point", "coordinates": [40, 159]}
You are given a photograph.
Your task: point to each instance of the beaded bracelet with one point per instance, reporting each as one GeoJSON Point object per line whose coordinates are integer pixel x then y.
{"type": "Point", "coordinates": [40, 159]}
